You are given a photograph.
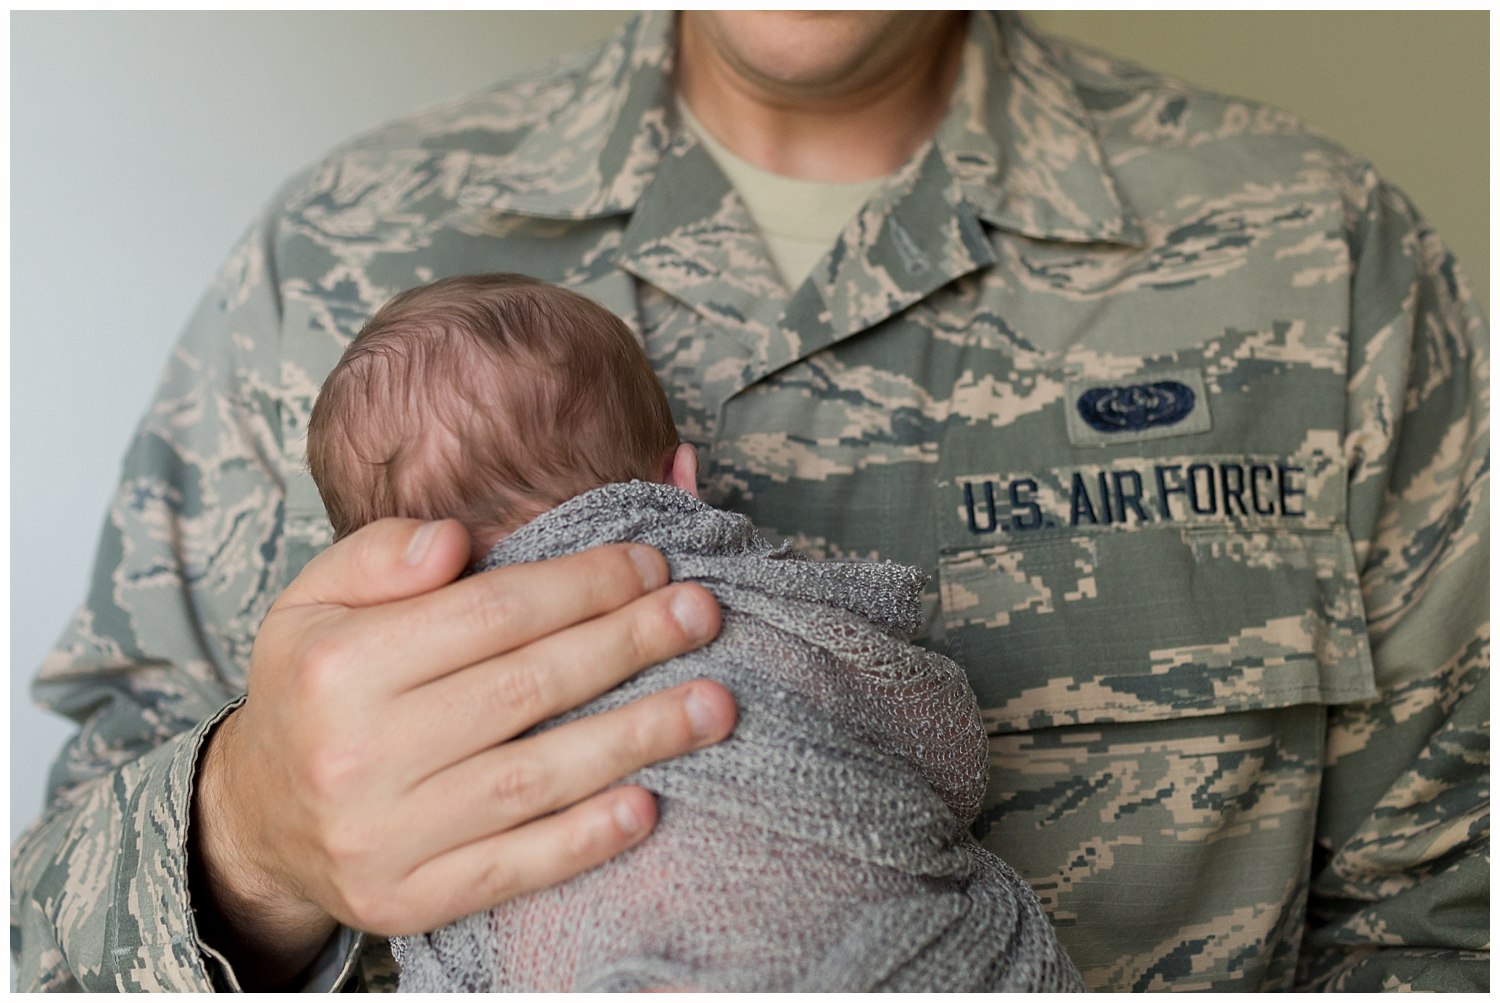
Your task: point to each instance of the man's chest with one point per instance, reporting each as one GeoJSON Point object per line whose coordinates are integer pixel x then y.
{"type": "Point", "coordinates": [1132, 509]}
{"type": "Point", "coordinates": [1124, 473]}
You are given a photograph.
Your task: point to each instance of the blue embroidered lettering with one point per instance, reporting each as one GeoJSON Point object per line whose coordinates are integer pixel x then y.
{"type": "Point", "coordinates": [1257, 469]}
{"type": "Point", "coordinates": [1083, 506]}
{"type": "Point", "coordinates": [989, 501]}
{"type": "Point", "coordinates": [1132, 498]}
{"type": "Point", "coordinates": [1289, 491]}
{"type": "Point", "coordinates": [1234, 493]}
{"type": "Point", "coordinates": [1019, 504]}
{"type": "Point", "coordinates": [1139, 494]}
{"type": "Point", "coordinates": [1210, 496]}
{"type": "Point", "coordinates": [1163, 492]}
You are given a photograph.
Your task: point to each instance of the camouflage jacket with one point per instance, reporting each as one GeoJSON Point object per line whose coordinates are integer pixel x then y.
{"type": "Point", "coordinates": [1184, 410]}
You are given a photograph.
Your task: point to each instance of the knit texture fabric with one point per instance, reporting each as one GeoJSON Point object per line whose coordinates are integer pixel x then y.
{"type": "Point", "coordinates": [823, 846]}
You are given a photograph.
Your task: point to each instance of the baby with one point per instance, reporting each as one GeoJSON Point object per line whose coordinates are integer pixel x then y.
{"type": "Point", "coordinates": [488, 399]}
{"type": "Point", "coordinates": [824, 845]}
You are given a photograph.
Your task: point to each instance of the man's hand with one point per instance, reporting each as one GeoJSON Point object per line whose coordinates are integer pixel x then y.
{"type": "Point", "coordinates": [374, 776]}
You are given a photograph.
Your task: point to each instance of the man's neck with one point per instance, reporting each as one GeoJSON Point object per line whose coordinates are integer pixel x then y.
{"type": "Point", "coordinates": [864, 125]}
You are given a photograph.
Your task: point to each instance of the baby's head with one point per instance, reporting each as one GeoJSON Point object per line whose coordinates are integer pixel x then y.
{"type": "Point", "coordinates": [488, 399]}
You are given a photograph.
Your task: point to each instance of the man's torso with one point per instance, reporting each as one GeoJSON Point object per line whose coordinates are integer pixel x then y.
{"type": "Point", "coordinates": [1111, 428]}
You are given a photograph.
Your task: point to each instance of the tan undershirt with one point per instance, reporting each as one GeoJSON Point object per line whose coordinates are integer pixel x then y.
{"type": "Point", "coordinates": [798, 220]}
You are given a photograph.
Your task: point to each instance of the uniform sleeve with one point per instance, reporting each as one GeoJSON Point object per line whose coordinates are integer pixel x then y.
{"type": "Point", "coordinates": [1400, 877]}
{"type": "Point", "coordinates": [188, 562]}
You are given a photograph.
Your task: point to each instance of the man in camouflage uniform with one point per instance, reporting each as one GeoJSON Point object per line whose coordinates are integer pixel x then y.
{"type": "Point", "coordinates": [1183, 409]}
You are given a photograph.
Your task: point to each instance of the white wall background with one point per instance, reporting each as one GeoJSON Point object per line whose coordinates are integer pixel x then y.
{"type": "Point", "coordinates": [141, 145]}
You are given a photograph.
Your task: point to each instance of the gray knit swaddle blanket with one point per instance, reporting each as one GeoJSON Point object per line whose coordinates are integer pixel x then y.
{"type": "Point", "coordinates": [823, 846]}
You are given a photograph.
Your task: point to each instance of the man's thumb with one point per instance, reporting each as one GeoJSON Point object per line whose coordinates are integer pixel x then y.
{"type": "Point", "coordinates": [388, 560]}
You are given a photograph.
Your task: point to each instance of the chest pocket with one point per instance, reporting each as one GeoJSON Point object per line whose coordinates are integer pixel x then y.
{"type": "Point", "coordinates": [1148, 589]}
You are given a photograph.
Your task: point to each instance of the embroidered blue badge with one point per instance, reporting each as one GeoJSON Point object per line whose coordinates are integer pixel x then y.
{"type": "Point", "coordinates": [1137, 406]}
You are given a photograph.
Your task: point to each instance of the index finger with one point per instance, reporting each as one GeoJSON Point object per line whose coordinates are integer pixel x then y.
{"type": "Point", "coordinates": [498, 611]}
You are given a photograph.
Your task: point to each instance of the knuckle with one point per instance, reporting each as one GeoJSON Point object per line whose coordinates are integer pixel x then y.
{"type": "Point", "coordinates": [348, 848]}
{"type": "Point", "coordinates": [653, 631]}
{"type": "Point", "coordinates": [367, 552]}
{"type": "Point", "coordinates": [611, 561]}
{"type": "Point", "coordinates": [519, 782]}
{"type": "Point", "coordinates": [405, 908]}
{"type": "Point", "coordinates": [490, 611]}
{"type": "Point", "coordinates": [612, 575]}
{"type": "Point", "coordinates": [518, 689]}
{"type": "Point", "coordinates": [657, 633]}
{"type": "Point", "coordinates": [322, 665]}
{"type": "Point", "coordinates": [657, 727]}
{"type": "Point", "coordinates": [500, 880]}
{"type": "Point", "coordinates": [329, 771]}
{"type": "Point", "coordinates": [575, 845]}
{"type": "Point", "coordinates": [584, 840]}
{"type": "Point", "coordinates": [372, 910]}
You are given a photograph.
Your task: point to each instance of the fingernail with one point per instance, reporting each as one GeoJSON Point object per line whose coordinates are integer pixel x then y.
{"type": "Point", "coordinates": [421, 540]}
{"type": "Point", "coordinates": [626, 818]}
{"type": "Point", "coordinates": [649, 565]}
{"type": "Point", "coordinates": [690, 615]}
{"type": "Point", "coordinates": [701, 716]}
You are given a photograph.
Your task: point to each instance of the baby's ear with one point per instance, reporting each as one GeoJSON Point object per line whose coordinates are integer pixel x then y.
{"type": "Point", "coordinates": [680, 469]}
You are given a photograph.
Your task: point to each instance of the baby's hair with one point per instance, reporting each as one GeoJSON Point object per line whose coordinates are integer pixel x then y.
{"type": "Point", "coordinates": [488, 399]}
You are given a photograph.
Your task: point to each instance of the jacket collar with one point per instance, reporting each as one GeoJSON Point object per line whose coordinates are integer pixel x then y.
{"type": "Point", "coordinates": [598, 151]}
{"type": "Point", "coordinates": [1017, 142]}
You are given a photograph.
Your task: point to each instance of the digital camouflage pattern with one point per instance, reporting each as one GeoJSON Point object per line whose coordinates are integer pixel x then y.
{"type": "Point", "coordinates": [1184, 410]}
